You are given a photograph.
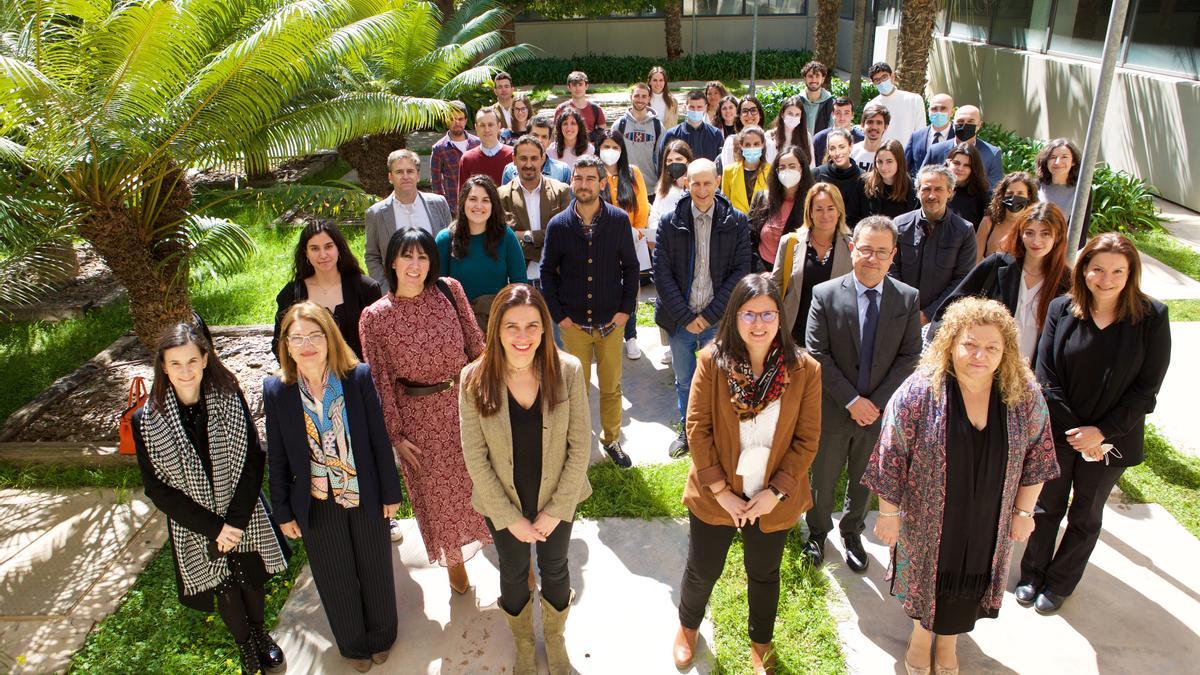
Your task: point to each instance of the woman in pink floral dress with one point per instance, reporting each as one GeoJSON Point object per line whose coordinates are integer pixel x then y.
{"type": "Point", "coordinates": [417, 339]}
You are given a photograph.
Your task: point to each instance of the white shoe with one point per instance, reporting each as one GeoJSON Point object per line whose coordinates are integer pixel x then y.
{"type": "Point", "coordinates": [396, 532]}
{"type": "Point", "coordinates": [632, 351]}
{"type": "Point", "coordinates": [666, 357]}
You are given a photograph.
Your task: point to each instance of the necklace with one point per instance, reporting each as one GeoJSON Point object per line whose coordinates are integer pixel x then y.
{"type": "Point", "coordinates": [520, 369]}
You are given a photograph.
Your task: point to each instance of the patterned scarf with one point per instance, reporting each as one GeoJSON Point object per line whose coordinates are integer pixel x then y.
{"type": "Point", "coordinates": [750, 394]}
{"type": "Point", "coordinates": [327, 430]}
{"type": "Point", "coordinates": [177, 464]}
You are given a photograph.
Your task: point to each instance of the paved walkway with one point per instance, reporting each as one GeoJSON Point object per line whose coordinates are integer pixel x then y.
{"type": "Point", "coordinates": [1182, 223]}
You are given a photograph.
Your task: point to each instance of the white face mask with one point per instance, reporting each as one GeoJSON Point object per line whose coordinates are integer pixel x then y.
{"type": "Point", "coordinates": [610, 156]}
{"type": "Point", "coordinates": [791, 121]}
{"type": "Point", "coordinates": [789, 177]}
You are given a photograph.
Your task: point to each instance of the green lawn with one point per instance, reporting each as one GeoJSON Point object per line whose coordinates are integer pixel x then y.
{"type": "Point", "coordinates": [1167, 477]}
{"type": "Point", "coordinates": [1169, 251]}
{"type": "Point", "coordinates": [1183, 310]}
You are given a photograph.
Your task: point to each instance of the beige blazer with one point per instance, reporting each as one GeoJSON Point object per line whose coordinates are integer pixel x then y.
{"type": "Point", "coordinates": [791, 300]}
{"type": "Point", "coordinates": [556, 197]}
{"type": "Point", "coordinates": [566, 448]}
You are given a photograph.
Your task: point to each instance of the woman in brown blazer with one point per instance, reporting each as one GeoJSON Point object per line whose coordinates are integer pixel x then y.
{"type": "Point", "coordinates": [753, 421]}
{"type": "Point", "coordinates": [526, 436]}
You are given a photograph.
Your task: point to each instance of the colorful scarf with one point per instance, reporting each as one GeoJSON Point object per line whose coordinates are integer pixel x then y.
{"type": "Point", "coordinates": [328, 433]}
{"type": "Point", "coordinates": [750, 394]}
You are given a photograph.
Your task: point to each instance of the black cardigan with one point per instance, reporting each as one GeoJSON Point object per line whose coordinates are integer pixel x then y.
{"type": "Point", "coordinates": [358, 293]}
{"type": "Point", "coordinates": [1129, 384]}
{"type": "Point", "coordinates": [849, 183]}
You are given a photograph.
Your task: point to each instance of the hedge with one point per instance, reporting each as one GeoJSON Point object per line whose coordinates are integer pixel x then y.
{"type": "Point", "coordinates": [725, 66]}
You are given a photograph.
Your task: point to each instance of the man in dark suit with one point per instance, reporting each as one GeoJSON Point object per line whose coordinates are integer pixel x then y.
{"type": "Point", "coordinates": [937, 247]}
{"type": "Point", "coordinates": [941, 107]}
{"type": "Point", "coordinates": [532, 200]}
{"type": "Point", "coordinates": [968, 120]}
{"type": "Point", "coordinates": [405, 207]}
{"type": "Point", "coordinates": [858, 376]}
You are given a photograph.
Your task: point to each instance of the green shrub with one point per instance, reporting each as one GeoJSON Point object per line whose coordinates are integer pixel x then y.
{"type": "Point", "coordinates": [773, 96]}
{"type": "Point", "coordinates": [1018, 153]}
{"type": "Point", "coordinates": [1122, 203]}
{"type": "Point", "coordinates": [629, 69]}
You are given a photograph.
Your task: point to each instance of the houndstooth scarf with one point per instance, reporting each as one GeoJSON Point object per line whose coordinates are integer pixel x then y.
{"type": "Point", "coordinates": [177, 464]}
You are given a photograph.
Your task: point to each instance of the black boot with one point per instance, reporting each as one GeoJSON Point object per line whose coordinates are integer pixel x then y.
{"type": "Point", "coordinates": [270, 656]}
{"type": "Point", "coordinates": [249, 653]}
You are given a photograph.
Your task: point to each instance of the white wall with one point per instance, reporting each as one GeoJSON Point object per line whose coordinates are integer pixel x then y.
{"type": "Point", "coordinates": [645, 37]}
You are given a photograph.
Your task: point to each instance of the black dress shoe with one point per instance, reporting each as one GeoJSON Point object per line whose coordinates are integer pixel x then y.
{"type": "Point", "coordinates": [618, 455]}
{"type": "Point", "coordinates": [856, 557]}
{"type": "Point", "coordinates": [1049, 602]}
{"type": "Point", "coordinates": [679, 446]}
{"type": "Point", "coordinates": [1026, 593]}
{"type": "Point", "coordinates": [814, 551]}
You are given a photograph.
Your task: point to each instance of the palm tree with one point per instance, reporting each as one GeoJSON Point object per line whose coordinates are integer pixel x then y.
{"type": "Point", "coordinates": [105, 107]}
{"type": "Point", "coordinates": [912, 44]}
{"type": "Point", "coordinates": [826, 35]}
{"type": "Point", "coordinates": [672, 28]}
{"type": "Point", "coordinates": [433, 58]}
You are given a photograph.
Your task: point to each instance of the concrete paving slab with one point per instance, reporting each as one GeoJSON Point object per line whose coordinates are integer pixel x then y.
{"type": "Point", "coordinates": [626, 575]}
{"type": "Point", "coordinates": [1175, 412]}
{"type": "Point", "coordinates": [1136, 610]}
{"type": "Point", "coordinates": [1166, 283]}
{"type": "Point", "coordinates": [1182, 223]}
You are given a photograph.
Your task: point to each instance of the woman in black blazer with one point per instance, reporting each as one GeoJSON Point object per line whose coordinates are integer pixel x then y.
{"type": "Point", "coordinates": [328, 273]}
{"type": "Point", "coordinates": [1033, 260]}
{"type": "Point", "coordinates": [333, 479]}
{"type": "Point", "coordinates": [1101, 360]}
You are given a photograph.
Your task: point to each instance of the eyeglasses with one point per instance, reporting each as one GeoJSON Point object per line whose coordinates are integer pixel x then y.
{"type": "Point", "coordinates": [749, 111]}
{"type": "Point", "coordinates": [299, 341]}
{"type": "Point", "coordinates": [768, 316]}
{"type": "Point", "coordinates": [877, 253]}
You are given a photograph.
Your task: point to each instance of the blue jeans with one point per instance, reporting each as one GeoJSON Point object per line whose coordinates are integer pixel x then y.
{"type": "Point", "coordinates": [684, 345]}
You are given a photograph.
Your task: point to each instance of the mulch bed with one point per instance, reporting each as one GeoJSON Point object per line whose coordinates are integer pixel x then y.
{"type": "Point", "coordinates": [94, 287]}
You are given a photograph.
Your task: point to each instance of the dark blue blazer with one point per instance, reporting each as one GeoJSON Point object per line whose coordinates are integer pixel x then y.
{"type": "Point", "coordinates": [918, 146]}
{"type": "Point", "coordinates": [990, 154]}
{"type": "Point", "coordinates": [288, 454]}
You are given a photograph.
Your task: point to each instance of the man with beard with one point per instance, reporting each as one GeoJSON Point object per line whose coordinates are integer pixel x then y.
{"type": "Point", "coordinates": [818, 102]}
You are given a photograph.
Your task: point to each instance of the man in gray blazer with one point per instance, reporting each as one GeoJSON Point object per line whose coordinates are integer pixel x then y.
{"type": "Point", "coordinates": [865, 330]}
{"type": "Point", "coordinates": [405, 207]}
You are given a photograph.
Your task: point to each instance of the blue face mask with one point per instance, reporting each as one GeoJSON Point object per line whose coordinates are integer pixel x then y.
{"type": "Point", "coordinates": [939, 119]}
{"type": "Point", "coordinates": [751, 155]}
{"type": "Point", "coordinates": [886, 87]}
{"type": "Point", "coordinates": [695, 116]}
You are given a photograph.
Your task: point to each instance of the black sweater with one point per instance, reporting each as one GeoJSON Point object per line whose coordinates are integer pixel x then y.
{"type": "Point", "coordinates": [849, 183]}
{"type": "Point", "coordinates": [358, 292]}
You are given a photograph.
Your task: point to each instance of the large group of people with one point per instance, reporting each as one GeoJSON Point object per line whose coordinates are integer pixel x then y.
{"type": "Point", "coordinates": [877, 299]}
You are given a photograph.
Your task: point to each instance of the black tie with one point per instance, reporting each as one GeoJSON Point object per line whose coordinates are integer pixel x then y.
{"type": "Point", "coordinates": [867, 351]}
{"type": "Point", "coordinates": [937, 137]}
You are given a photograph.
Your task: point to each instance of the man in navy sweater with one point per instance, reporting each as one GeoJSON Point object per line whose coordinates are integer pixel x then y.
{"type": "Point", "coordinates": [704, 139]}
{"type": "Point", "coordinates": [590, 282]}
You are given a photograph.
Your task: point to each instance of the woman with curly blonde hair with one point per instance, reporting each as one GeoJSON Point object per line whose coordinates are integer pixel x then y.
{"type": "Point", "coordinates": [964, 449]}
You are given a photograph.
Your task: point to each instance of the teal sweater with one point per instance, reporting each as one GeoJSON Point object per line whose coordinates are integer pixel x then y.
{"type": "Point", "coordinates": [478, 273]}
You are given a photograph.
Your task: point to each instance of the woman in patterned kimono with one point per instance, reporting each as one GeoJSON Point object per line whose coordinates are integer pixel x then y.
{"type": "Point", "coordinates": [964, 450]}
{"type": "Point", "coordinates": [202, 466]}
{"type": "Point", "coordinates": [417, 339]}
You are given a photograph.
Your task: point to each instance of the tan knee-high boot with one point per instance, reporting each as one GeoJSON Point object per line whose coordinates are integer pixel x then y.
{"type": "Point", "coordinates": [521, 626]}
{"type": "Point", "coordinates": [554, 623]}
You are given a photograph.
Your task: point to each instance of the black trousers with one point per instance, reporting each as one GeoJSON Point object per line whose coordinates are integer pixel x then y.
{"type": "Point", "coordinates": [1059, 570]}
{"type": "Point", "coordinates": [514, 568]}
{"type": "Point", "coordinates": [350, 554]}
{"type": "Point", "coordinates": [707, 548]}
{"type": "Point", "coordinates": [841, 446]}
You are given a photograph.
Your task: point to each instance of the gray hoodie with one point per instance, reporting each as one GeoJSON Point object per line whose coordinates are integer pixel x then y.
{"type": "Point", "coordinates": [641, 138]}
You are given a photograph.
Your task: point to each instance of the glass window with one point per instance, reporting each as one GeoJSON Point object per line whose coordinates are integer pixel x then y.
{"type": "Point", "coordinates": [1079, 26]}
{"type": "Point", "coordinates": [847, 10]}
{"type": "Point", "coordinates": [712, 7]}
{"type": "Point", "coordinates": [775, 7]}
{"type": "Point", "coordinates": [970, 18]}
{"type": "Point", "coordinates": [1021, 24]}
{"type": "Point", "coordinates": [887, 12]}
{"type": "Point", "coordinates": [1166, 36]}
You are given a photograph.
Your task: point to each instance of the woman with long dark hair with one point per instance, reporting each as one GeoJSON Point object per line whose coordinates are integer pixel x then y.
{"type": "Point", "coordinates": [661, 100]}
{"type": "Point", "coordinates": [327, 272]}
{"type": "Point", "coordinates": [521, 112]}
{"type": "Point", "coordinates": [971, 189]}
{"type": "Point", "coordinates": [570, 138]}
{"type": "Point", "coordinates": [886, 186]}
{"type": "Point", "coordinates": [1101, 359]}
{"type": "Point", "coordinates": [202, 466]}
{"type": "Point", "coordinates": [526, 433]}
{"type": "Point", "coordinates": [627, 191]}
{"type": "Point", "coordinates": [773, 212]}
{"type": "Point", "coordinates": [753, 421]}
{"type": "Point", "coordinates": [726, 118]}
{"type": "Point", "coordinates": [1011, 198]}
{"type": "Point", "coordinates": [791, 128]}
{"type": "Point", "coordinates": [1058, 176]}
{"type": "Point", "coordinates": [841, 171]}
{"type": "Point", "coordinates": [479, 249]}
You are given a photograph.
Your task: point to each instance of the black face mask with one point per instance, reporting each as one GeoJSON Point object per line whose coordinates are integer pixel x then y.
{"type": "Point", "coordinates": [1015, 203]}
{"type": "Point", "coordinates": [676, 170]}
{"type": "Point", "coordinates": [964, 132]}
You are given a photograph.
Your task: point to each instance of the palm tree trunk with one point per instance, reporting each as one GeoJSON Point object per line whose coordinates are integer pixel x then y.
{"type": "Point", "coordinates": [672, 28]}
{"type": "Point", "coordinates": [368, 155]}
{"type": "Point", "coordinates": [913, 43]}
{"type": "Point", "coordinates": [446, 7]}
{"type": "Point", "coordinates": [826, 35]}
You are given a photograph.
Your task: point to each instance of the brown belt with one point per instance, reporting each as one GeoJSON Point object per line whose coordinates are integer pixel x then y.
{"type": "Point", "coordinates": [418, 389]}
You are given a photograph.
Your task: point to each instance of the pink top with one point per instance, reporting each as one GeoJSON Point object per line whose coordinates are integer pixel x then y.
{"type": "Point", "coordinates": [772, 232]}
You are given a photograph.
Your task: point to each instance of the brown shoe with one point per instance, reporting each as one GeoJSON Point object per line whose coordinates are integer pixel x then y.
{"type": "Point", "coordinates": [684, 649]}
{"type": "Point", "coordinates": [762, 658]}
{"type": "Point", "coordinates": [380, 657]}
{"type": "Point", "coordinates": [459, 582]}
{"type": "Point", "coordinates": [361, 665]}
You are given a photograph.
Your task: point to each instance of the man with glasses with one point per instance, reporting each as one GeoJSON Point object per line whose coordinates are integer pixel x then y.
{"type": "Point", "coordinates": [703, 249]}
{"type": "Point", "coordinates": [858, 376]}
{"type": "Point", "coordinates": [590, 282]}
{"type": "Point", "coordinates": [907, 108]}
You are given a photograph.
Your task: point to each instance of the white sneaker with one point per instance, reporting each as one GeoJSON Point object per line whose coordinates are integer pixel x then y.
{"type": "Point", "coordinates": [396, 532]}
{"type": "Point", "coordinates": [666, 357]}
{"type": "Point", "coordinates": [632, 351]}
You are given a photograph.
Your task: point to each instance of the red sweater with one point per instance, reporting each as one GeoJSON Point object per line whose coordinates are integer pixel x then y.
{"type": "Point", "coordinates": [474, 162]}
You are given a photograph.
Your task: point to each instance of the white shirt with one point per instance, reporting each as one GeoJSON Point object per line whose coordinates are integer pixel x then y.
{"type": "Point", "coordinates": [507, 112]}
{"type": "Point", "coordinates": [728, 159]}
{"type": "Point", "coordinates": [861, 156]}
{"type": "Point", "coordinates": [1026, 316]}
{"type": "Point", "coordinates": [908, 114]}
{"type": "Point", "coordinates": [461, 145]}
{"type": "Point", "coordinates": [569, 155]}
{"type": "Point", "coordinates": [661, 207]}
{"type": "Point", "coordinates": [756, 435]}
{"type": "Point", "coordinates": [945, 136]}
{"type": "Point", "coordinates": [411, 215]}
{"type": "Point", "coordinates": [533, 207]}
{"type": "Point", "coordinates": [658, 103]}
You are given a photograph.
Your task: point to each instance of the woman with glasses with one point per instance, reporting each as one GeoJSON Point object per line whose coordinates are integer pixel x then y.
{"type": "Point", "coordinates": [333, 479]}
{"type": "Point", "coordinates": [751, 381]}
{"type": "Point", "coordinates": [521, 114]}
{"type": "Point", "coordinates": [750, 114]}
{"type": "Point", "coordinates": [750, 171]}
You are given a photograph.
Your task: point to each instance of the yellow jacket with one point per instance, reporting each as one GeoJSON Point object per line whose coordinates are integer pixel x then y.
{"type": "Point", "coordinates": [641, 216]}
{"type": "Point", "coordinates": [733, 184]}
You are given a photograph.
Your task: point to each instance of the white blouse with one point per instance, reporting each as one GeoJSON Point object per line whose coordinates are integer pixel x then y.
{"type": "Point", "coordinates": [757, 434]}
{"type": "Point", "coordinates": [1026, 316]}
{"type": "Point", "coordinates": [658, 103]}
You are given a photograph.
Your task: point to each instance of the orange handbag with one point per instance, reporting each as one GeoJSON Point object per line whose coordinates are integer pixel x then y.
{"type": "Point", "coordinates": [136, 399]}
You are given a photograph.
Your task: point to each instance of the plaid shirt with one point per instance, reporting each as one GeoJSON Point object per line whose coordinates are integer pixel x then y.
{"type": "Point", "coordinates": [443, 168]}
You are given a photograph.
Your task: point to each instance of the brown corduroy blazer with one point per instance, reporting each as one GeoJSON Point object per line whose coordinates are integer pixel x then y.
{"type": "Point", "coordinates": [715, 443]}
{"type": "Point", "coordinates": [566, 448]}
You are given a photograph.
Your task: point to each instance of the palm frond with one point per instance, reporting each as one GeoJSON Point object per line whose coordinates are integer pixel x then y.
{"type": "Point", "coordinates": [216, 247]}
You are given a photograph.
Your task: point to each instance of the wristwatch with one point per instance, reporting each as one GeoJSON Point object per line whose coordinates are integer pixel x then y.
{"type": "Point", "coordinates": [779, 494]}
